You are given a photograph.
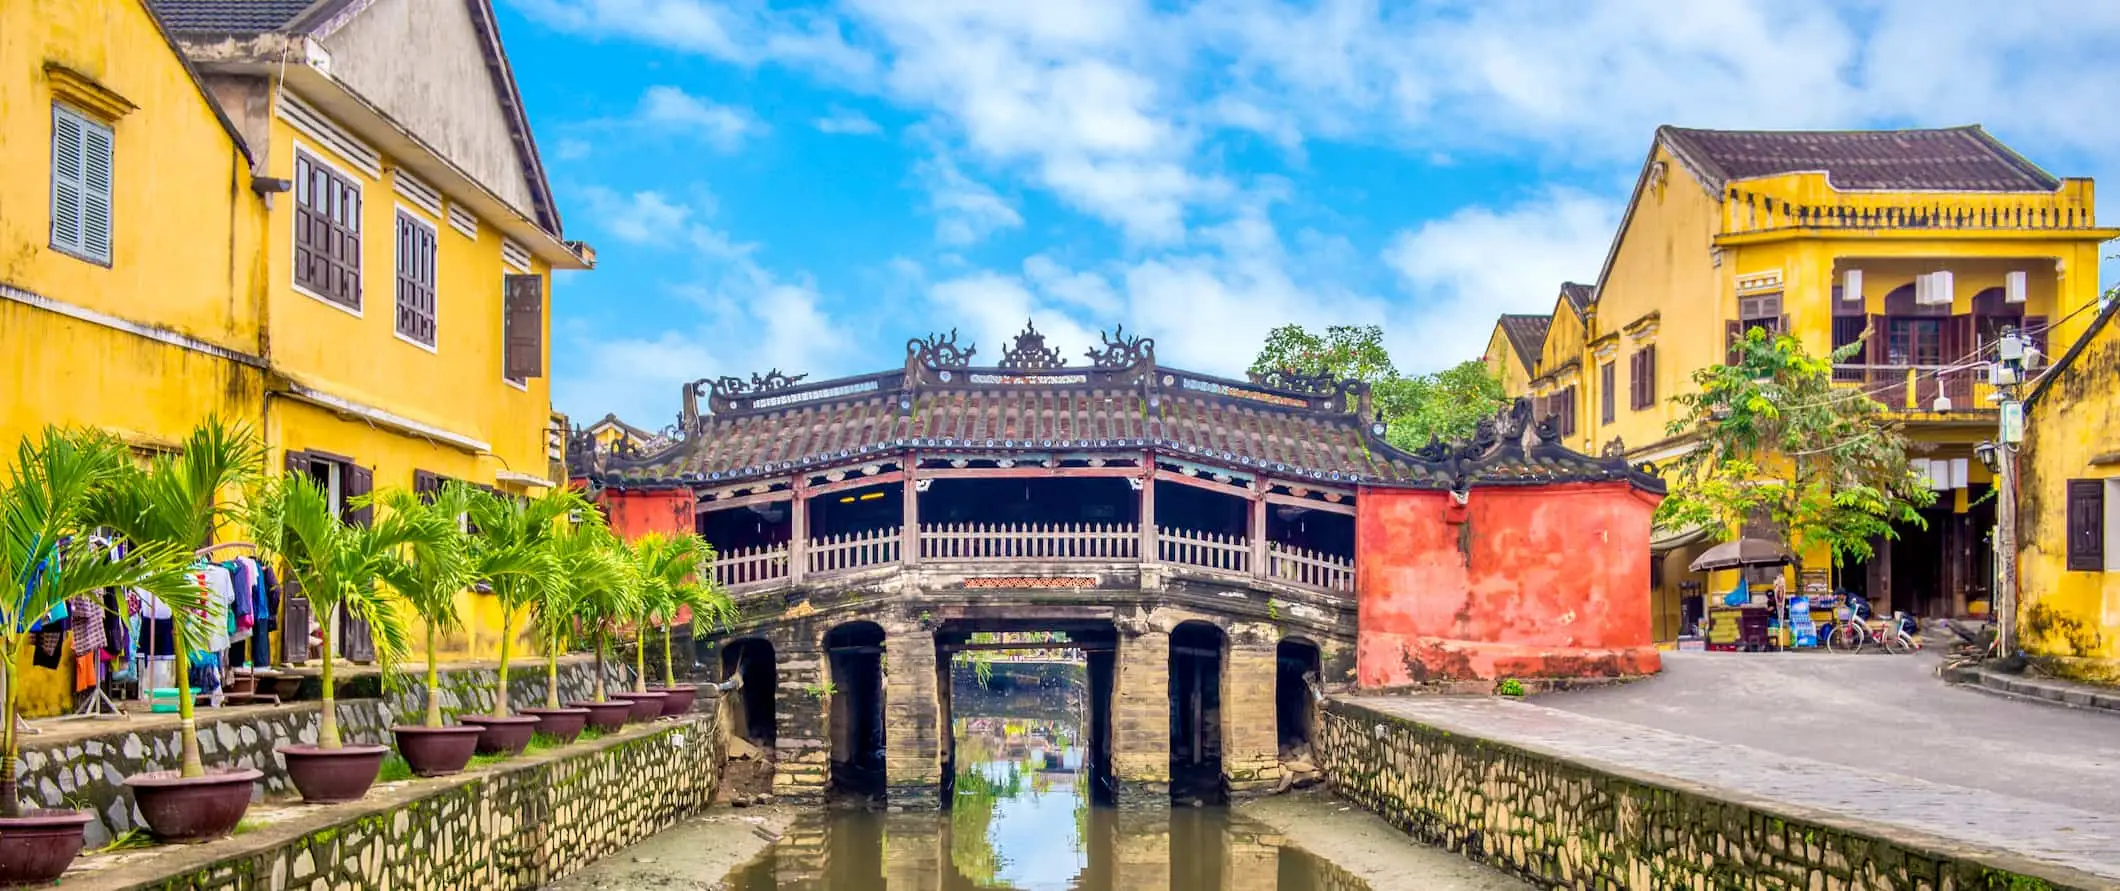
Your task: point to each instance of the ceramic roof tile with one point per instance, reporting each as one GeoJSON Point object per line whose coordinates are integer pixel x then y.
{"type": "Point", "coordinates": [1958, 159]}
{"type": "Point", "coordinates": [1527, 337]}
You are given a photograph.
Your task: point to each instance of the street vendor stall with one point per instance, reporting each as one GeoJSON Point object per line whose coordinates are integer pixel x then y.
{"type": "Point", "coordinates": [1744, 619]}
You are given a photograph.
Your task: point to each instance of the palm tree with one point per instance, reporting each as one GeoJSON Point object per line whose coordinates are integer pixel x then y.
{"type": "Point", "coordinates": [47, 512]}
{"type": "Point", "coordinates": [342, 567]}
{"type": "Point", "coordinates": [683, 582]}
{"type": "Point", "coordinates": [512, 534]}
{"type": "Point", "coordinates": [660, 564]}
{"type": "Point", "coordinates": [176, 501]}
{"type": "Point", "coordinates": [430, 574]}
{"type": "Point", "coordinates": [606, 590]}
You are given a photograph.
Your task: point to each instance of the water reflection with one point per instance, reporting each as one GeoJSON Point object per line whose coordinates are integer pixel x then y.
{"type": "Point", "coordinates": [1021, 818]}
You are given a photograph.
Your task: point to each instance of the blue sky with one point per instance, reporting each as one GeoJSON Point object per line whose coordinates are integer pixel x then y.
{"type": "Point", "coordinates": [805, 186]}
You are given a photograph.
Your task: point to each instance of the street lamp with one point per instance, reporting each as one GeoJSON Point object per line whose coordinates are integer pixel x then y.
{"type": "Point", "coordinates": [1990, 457]}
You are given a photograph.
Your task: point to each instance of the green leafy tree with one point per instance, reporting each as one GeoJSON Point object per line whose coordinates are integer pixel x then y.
{"type": "Point", "coordinates": [177, 500]}
{"type": "Point", "coordinates": [511, 532]}
{"type": "Point", "coordinates": [342, 568]}
{"type": "Point", "coordinates": [47, 512]}
{"type": "Point", "coordinates": [1447, 404]}
{"type": "Point", "coordinates": [1781, 443]}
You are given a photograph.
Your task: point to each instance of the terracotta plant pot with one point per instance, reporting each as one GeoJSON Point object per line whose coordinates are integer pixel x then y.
{"type": "Point", "coordinates": [328, 776]}
{"type": "Point", "coordinates": [606, 716]}
{"type": "Point", "coordinates": [646, 706]}
{"type": "Point", "coordinates": [37, 846]}
{"type": "Point", "coordinates": [562, 724]}
{"type": "Point", "coordinates": [503, 734]}
{"type": "Point", "coordinates": [183, 811]}
{"type": "Point", "coordinates": [437, 751]}
{"type": "Point", "coordinates": [679, 699]}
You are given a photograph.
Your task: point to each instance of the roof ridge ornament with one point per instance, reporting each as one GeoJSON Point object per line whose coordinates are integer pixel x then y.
{"type": "Point", "coordinates": [1030, 352]}
{"type": "Point", "coordinates": [1120, 351]}
{"type": "Point", "coordinates": [730, 387]}
{"type": "Point", "coordinates": [1295, 381]}
{"type": "Point", "coordinates": [941, 351]}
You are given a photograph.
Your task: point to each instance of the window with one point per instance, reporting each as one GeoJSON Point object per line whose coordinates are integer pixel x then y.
{"type": "Point", "coordinates": [1763, 311]}
{"type": "Point", "coordinates": [1914, 342]}
{"type": "Point", "coordinates": [1608, 390]}
{"type": "Point", "coordinates": [1641, 373]}
{"type": "Point", "coordinates": [1564, 411]}
{"type": "Point", "coordinates": [341, 479]}
{"type": "Point", "coordinates": [327, 232]}
{"type": "Point", "coordinates": [82, 161]}
{"type": "Point", "coordinates": [523, 337]}
{"type": "Point", "coordinates": [415, 280]}
{"type": "Point", "coordinates": [2086, 525]}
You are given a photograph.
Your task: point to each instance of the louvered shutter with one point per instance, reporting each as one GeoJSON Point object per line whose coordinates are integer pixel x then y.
{"type": "Point", "coordinates": [297, 463]}
{"type": "Point", "coordinates": [2086, 525]}
{"type": "Point", "coordinates": [1608, 392]}
{"type": "Point", "coordinates": [82, 160]}
{"type": "Point", "coordinates": [359, 481]}
{"type": "Point", "coordinates": [1649, 376]}
{"type": "Point", "coordinates": [525, 335]}
{"type": "Point", "coordinates": [356, 640]}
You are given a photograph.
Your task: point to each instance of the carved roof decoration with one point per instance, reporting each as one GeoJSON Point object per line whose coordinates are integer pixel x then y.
{"type": "Point", "coordinates": [1284, 426]}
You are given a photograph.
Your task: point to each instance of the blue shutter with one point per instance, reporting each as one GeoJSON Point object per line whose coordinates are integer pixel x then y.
{"type": "Point", "coordinates": [67, 187]}
{"type": "Point", "coordinates": [97, 149]}
{"type": "Point", "coordinates": [82, 159]}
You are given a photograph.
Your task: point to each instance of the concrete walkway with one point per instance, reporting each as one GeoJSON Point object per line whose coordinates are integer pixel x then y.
{"type": "Point", "coordinates": [2053, 833]}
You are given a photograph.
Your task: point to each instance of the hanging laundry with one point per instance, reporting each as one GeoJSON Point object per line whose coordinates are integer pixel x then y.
{"type": "Point", "coordinates": [220, 592]}
{"type": "Point", "coordinates": [46, 647]}
{"type": "Point", "coordinates": [145, 604]}
{"type": "Point", "coordinates": [85, 672]}
{"type": "Point", "coordinates": [88, 624]}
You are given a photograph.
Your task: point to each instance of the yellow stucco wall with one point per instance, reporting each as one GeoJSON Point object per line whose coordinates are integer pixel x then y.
{"type": "Point", "coordinates": [1502, 362]}
{"type": "Point", "coordinates": [2063, 612]}
{"type": "Point", "coordinates": [185, 227]}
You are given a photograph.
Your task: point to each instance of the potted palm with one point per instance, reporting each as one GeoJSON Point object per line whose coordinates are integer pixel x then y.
{"type": "Point", "coordinates": [514, 532]}
{"type": "Point", "coordinates": [603, 593]}
{"type": "Point", "coordinates": [570, 556]}
{"type": "Point", "coordinates": [341, 567]}
{"type": "Point", "coordinates": [686, 586]}
{"type": "Point", "coordinates": [656, 563]}
{"type": "Point", "coordinates": [46, 515]}
{"type": "Point", "coordinates": [176, 502]}
{"type": "Point", "coordinates": [429, 575]}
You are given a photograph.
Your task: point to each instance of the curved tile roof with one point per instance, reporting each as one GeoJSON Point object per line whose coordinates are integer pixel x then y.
{"type": "Point", "coordinates": [1954, 159]}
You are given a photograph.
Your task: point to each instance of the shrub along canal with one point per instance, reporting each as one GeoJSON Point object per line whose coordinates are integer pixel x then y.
{"type": "Point", "coordinates": [1024, 813]}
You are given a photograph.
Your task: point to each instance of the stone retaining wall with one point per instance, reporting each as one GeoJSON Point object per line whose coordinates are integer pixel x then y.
{"type": "Point", "coordinates": [519, 825]}
{"type": "Point", "coordinates": [1561, 824]}
{"type": "Point", "coordinates": [87, 772]}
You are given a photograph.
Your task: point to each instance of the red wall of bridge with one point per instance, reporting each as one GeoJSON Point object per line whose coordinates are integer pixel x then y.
{"type": "Point", "coordinates": [637, 512]}
{"type": "Point", "coordinates": [1554, 584]}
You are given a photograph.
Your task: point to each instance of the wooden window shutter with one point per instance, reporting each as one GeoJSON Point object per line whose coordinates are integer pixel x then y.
{"type": "Point", "coordinates": [1649, 376]}
{"type": "Point", "coordinates": [1732, 333]}
{"type": "Point", "coordinates": [359, 481]}
{"type": "Point", "coordinates": [2086, 525]}
{"type": "Point", "coordinates": [426, 485]}
{"type": "Point", "coordinates": [525, 337]}
{"type": "Point", "coordinates": [1608, 391]}
{"type": "Point", "coordinates": [297, 463]}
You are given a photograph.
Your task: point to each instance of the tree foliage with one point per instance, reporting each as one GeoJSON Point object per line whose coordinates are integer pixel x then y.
{"type": "Point", "coordinates": [1782, 444]}
{"type": "Point", "coordinates": [1448, 403]}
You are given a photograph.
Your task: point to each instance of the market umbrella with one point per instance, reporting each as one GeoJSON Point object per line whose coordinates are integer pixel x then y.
{"type": "Point", "coordinates": [1742, 552]}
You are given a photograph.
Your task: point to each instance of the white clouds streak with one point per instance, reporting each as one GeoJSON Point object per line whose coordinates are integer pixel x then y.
{"type": "Point", "coordinates": [721, 126]}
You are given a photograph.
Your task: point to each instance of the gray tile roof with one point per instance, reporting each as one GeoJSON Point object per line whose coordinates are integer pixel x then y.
{"type": "Point", "coordinates": [1958, 159]}
{"type": "Point", "coordinates": [231, 16]}
{"type": "Point", "coordinates": [1527, 337]}
{"type": "Point", "coordinates": [1580, 296]}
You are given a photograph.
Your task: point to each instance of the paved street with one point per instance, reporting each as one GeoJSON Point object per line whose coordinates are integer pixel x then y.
{"type": "Point", "coordinates": [1881, 714]}
{"type": "Point", "coordinates": [2054, 833]}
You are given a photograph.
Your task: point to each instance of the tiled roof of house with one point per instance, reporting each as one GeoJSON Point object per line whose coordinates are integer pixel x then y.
{"type": "Point", "coordinates": [1965, 159]}
{"type": "Point", "coordinates": [1527, 337]}
{"type": "Point", "coordinates": [1580, 297]}
{"type": "Point", "coordinates": [1281, 425]}
{"type": "Point", "coordinates": [243, 16]}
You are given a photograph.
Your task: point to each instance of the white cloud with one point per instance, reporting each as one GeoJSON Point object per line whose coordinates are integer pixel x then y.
{"type": "Point", "coordinates": [640, 218]}
{"type": "Point", "coordinates": [721, 126]}
{"type": "Point", "coordinates": [847, 121]}
{"type": "Point", "coordinates": [1466, 268]}
{"type": "Point", "coordinates": [742, 33]}
{"type": "Point", "coordinates": [966, 212]}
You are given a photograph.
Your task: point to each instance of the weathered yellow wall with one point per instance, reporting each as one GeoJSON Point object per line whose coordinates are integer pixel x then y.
{"type": "Point", "coordinates": [1502, 362]}
{"type": "Point", "coordinates": [2064, 612]}
{"type": "Point", "coordinates": [185, 228]}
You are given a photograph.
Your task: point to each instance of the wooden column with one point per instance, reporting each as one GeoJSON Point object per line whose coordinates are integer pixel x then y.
{"type": "Point", "coordinates": [799, 532]}
{"type": "Point", "coordinates": [1148, 507]}
{"type": "Point", "coordinates": [1258, 527]}
{"type": "Point", "coordinates": [909, 535]}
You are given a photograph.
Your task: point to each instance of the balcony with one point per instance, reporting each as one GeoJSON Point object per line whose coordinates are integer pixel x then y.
{"type": "Point", "coordinates": [1748, 214]}
{"type": "Point", "coordinates": [1225, 557]}
{"type": "Point", "coordinates": [1915, 388]}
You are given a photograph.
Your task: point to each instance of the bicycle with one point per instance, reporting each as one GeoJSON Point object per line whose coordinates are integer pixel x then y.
{"type": "Point", "coordinates": [1851, 634]}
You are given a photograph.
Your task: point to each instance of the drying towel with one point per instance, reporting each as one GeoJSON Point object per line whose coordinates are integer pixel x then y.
{"type": "Point", "coordinates": [88, 625]}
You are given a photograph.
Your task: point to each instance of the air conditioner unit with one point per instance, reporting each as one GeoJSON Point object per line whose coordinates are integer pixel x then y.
{"type": "Point", "coordinates": [2014, 286]}
{"type": "Point", "coordinates": [1934, 288]}
{"type": "Point", "coordinates": [1851, 286]}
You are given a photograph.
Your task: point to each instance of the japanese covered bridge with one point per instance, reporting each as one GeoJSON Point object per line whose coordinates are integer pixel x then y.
{"type": "Point", "coordinates": [1208, 543]}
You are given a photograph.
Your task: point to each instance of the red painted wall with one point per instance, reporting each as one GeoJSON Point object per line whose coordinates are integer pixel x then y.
{"type": "Point", "coordinates": [1556, 584]}
{"type": "Point", "coordinates": [637, 512]}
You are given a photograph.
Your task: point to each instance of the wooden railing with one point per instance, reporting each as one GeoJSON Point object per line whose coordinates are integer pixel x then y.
{"type": "Point", "coordinates": [1747, 212]}
{"type": "Point", "coordinates": [1000, 542]}
{"type": "Point", "coordinates": [1915, 387]}
{"type": "Point", "coordinates": [1206, 550]}
{"type": "Point", "coordinates": [1306, 568]}
{"type": "Point", "coordinates": [853, 550]}
{"type": "Point", "coordinates": [749, 567]}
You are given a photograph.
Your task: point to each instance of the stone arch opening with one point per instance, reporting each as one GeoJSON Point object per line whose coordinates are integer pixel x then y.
{"type": "Point", "coordinates": [1296, 666]}
{"type": "Point", "coordinates": [1198, 659]}
{"type": "Point", "coordinates": [752, 716]}
{"type": "Point", "coordinates": [854, 695]}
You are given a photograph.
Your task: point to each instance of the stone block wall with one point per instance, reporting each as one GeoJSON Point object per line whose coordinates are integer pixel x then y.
{"type": "Point", "coordinates": [1560, 824]}
{"type": "Point", "coordinates": [87, 773]}
{"type": "Point", "coordinates": [519, 826]}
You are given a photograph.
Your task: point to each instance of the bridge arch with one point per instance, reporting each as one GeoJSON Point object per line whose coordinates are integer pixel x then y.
{"type": "Point", "coordinates": [853, 693]}
{"type": "Point", "coordinates": [752, 712]}
{"type": "Point", "coordinates": [1199, 664]}
{"type": "Point", "coordinates": [1298, 664]}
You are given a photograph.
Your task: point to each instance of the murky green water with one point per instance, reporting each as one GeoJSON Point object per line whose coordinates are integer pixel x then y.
{"type": "Point", "coordinates": [1022, 818]}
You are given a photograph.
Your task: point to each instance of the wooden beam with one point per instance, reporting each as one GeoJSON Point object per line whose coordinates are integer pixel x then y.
{"type": "Point", "coordinates": [1086, 646]}
{"type": "Point", "coordinates": [745, 501]}
{"type": "Point", "coordinates": [954, 473]}
{"type": "Point", "coordinates": [1233, 491]}
{"type": "Point", "coordinates": [799, 533]}
{"type": "Point", "coordinates": [1147, 472]}
{"type": "Point", "coordinates": [1258, 528]}
{"type": "Point", "coordinates": [1311, 504]}
{"type": "Point", "coordinates": [881, 479]}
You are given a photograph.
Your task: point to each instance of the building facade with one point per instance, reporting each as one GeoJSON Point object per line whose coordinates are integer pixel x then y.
{"type": "Point", "coordinates": [277, 214]}
{"type": "Point", "coordinates": [2068, 567]}
{"type": "Point", "coordinates": [1929, 242]}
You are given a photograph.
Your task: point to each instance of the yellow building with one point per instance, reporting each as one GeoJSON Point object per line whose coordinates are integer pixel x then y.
{"type": "Point", "coordinates": [327, 220]}
{"type": "Point", "coordinates": [2069, 470]}
{"type": "Point", "coordinates": [613, 435]}
{"type": "Point", "coordinates": [1513, 350]}
{"type": "Point", "coordinates": [1933, 239]}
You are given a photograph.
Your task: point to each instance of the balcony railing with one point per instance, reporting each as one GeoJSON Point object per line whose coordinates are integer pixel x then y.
{"type": "Point", "coordinates": [1746, 212]}
{"type": "Point", "coordinates": [748, 569]}
{"type": "Point", "coordinates": [1915, 387]}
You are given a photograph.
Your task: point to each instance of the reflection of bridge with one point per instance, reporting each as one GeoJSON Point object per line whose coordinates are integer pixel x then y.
{"type": "Point", "coordinates": [1194, 537]}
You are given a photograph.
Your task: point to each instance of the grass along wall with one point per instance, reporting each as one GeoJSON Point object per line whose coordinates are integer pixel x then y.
{"type": "Point", "coordinates": [1562, 824]}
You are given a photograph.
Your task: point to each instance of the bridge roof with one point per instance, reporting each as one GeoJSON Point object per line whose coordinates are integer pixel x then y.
{"type": "Point", "coordinates": [1033, 402]}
